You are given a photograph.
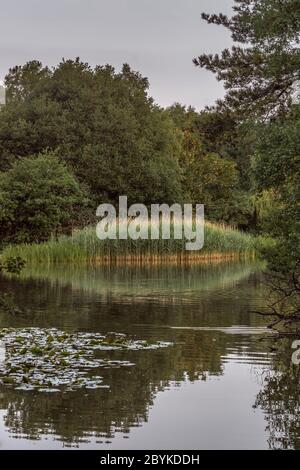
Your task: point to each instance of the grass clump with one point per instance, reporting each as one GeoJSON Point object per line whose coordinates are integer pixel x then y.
{"type": "Point", "coordinates": [84, 246]}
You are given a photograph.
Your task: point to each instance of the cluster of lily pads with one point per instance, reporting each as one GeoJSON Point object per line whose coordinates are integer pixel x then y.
{"type": "Point", "coordinates": [51, 360]}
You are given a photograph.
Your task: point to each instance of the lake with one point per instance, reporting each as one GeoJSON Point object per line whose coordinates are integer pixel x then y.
{"type": "Point", "coordinates": [220, 381]}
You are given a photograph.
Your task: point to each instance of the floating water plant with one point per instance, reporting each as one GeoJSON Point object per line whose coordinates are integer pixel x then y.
{"type": "Point", "coordinates": [51, 360]}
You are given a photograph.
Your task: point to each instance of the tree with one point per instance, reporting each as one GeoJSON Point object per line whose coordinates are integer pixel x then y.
{"type": "Point", "coordinates": [214, 172]}
{"type": "Point", "coordinates": [39, 196]}
{"type": "Point", "coordinates": [22, 81]}
{"type": "Point", "coordinates": [260, 72]}
{"type": "Point", "coordinates": [209, 179]}
{"type": "Point", "coordinates": [277, 171]}
{"type": "Point", "coordinates": [101, 123]}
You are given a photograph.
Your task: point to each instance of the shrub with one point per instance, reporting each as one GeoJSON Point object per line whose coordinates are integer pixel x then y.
{"type": "Point", "coordinates": [38, 197]}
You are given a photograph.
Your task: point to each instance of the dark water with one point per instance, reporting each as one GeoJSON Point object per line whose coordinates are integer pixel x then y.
{"type": "Point", "coordinates": [223, 383]}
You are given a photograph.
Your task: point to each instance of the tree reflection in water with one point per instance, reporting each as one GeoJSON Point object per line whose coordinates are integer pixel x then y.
{"type": "Point", "coordinates": [189, 306]}
{"type": "Point", "coordinates": [280, 399]}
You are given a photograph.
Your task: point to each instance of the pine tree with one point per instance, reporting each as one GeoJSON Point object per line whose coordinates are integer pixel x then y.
{"type": "Point", "coordinates": [262, 69]}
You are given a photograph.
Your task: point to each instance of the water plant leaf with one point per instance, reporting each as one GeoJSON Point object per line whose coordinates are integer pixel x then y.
{"type": "Point", "coordinates": [51, 360]}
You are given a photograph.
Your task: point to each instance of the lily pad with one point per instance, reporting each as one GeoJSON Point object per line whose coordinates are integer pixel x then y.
{"type": "Point", "coordinates": [51, 360]}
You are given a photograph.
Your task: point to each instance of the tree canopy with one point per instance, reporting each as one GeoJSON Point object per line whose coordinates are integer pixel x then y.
{"type": "Point", "coordinates": [101, 123]}
{"type": "Point", "coordinates": [261, 77]}
{"type": "Point", "coordinates": [262, 69]}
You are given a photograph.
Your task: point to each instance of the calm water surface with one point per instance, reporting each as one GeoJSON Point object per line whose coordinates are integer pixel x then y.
{"type": "Point", "coordinates": [223, 383]}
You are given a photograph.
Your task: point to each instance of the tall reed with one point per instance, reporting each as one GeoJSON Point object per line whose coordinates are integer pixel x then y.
{"type": "Point", "coordinates": [83, 246]}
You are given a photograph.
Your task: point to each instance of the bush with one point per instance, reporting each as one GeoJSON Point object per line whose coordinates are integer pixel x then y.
{"type": "Point", "coordinates": [38, 196]}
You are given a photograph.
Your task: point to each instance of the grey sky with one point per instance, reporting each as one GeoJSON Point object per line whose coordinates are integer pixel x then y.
{"type": "Point", "coordinates": [159, 38]}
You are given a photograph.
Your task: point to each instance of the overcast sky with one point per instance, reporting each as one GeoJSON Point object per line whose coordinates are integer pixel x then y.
{"type": "Point", "coordinates": [159, 38]}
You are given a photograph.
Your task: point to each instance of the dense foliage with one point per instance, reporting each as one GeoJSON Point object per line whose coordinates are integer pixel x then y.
{"type": "Point", "coordinates": [215, 162]}
{"type": "Point", "coordinates": [261, 75]}
{"type": "Point", "coordinates": [101, 123]}
{"type": "Point", "coordinates": [39, 196]}
{"type": "Point", "coordinates": [111, 137]}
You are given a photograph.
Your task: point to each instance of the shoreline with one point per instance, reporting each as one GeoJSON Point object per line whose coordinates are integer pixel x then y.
{"type": "Point", "coordinates": [134, 259]}
{"type": "Point", "coordinates": [221, 243]}
{"type": "Point", "coordinates": [171, 259]}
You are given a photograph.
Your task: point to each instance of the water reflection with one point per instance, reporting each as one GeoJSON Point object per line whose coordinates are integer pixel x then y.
{"type": "Point", "coordinates": [280, 399]}
{"type": "Point", "coordinates": [207, 381]}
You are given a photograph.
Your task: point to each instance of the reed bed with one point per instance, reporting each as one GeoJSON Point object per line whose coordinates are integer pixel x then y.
{"type": "Point", "coordinates": [220, 242]}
